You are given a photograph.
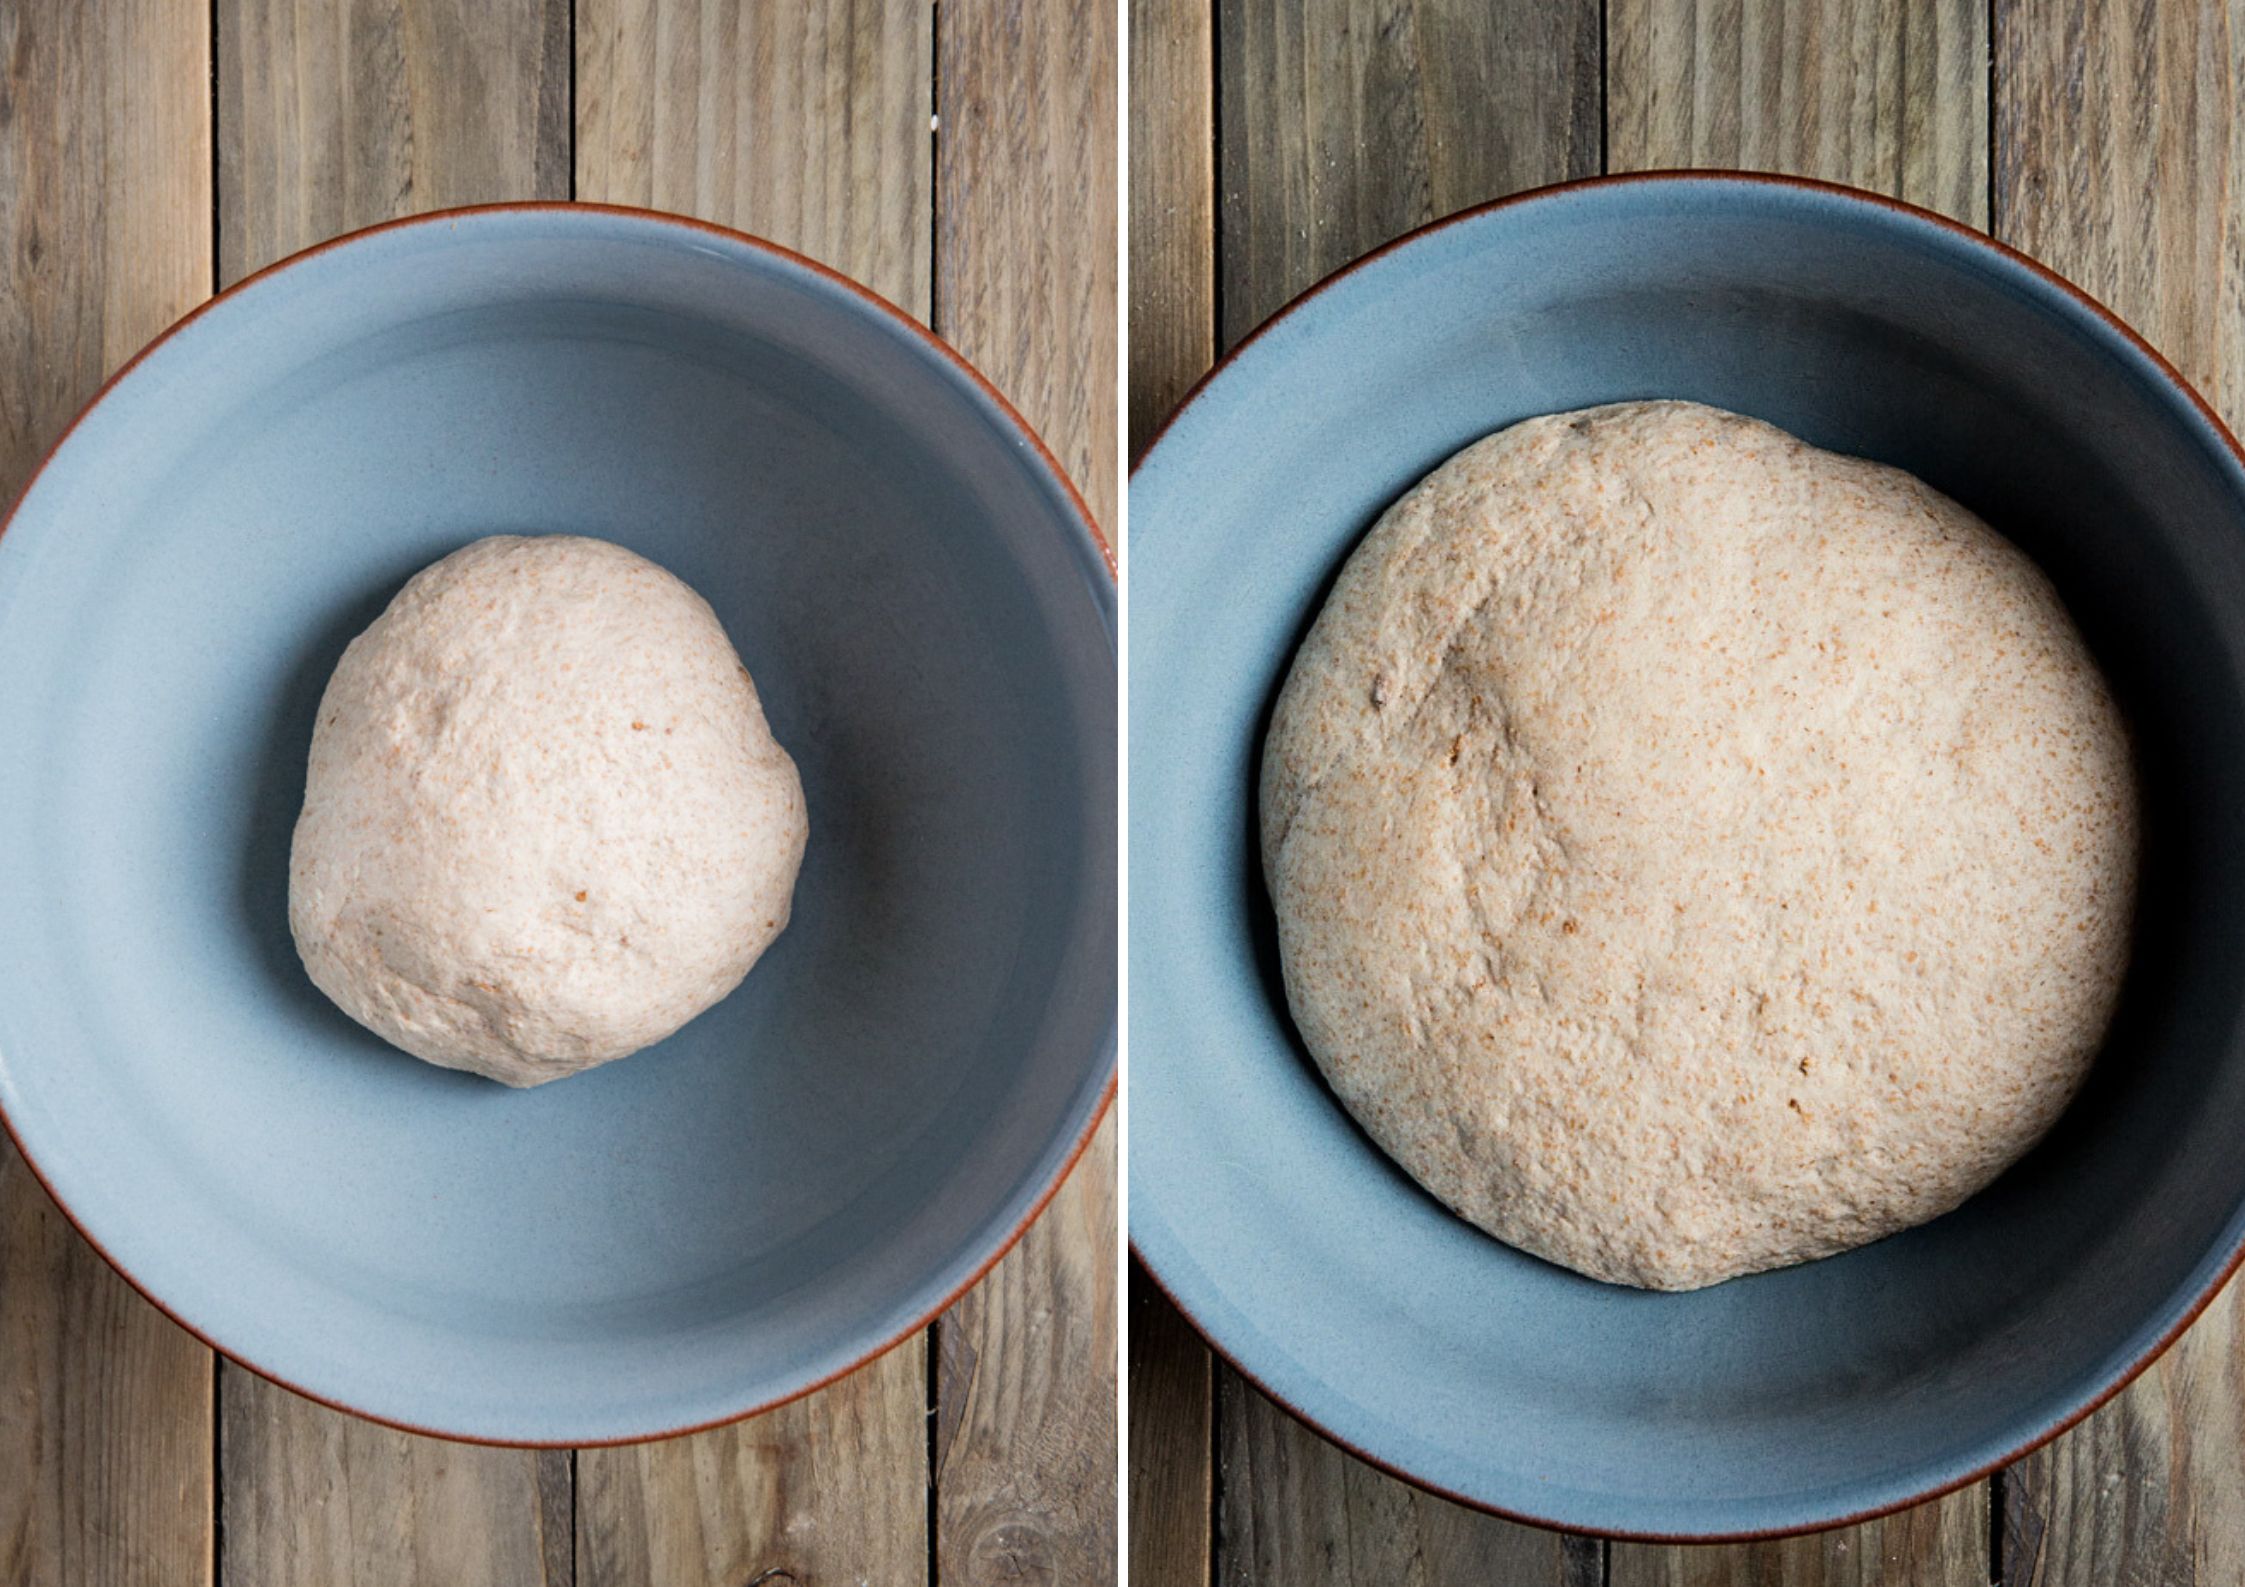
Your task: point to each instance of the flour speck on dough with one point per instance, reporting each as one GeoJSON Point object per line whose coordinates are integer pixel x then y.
{"type": "Point", "coordinates": [545, 822]}
{"type": "Point", "coordinates": [1695, 852]}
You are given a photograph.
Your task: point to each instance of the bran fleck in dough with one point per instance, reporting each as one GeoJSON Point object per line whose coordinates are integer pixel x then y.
{"type": "Point", "coordinates": [1695, 852]}
{"type": "Point", "coordinates": [545, 822]}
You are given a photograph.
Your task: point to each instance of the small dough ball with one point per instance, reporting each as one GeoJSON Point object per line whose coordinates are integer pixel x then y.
{"type": "Point", "coordinates": [1695, 852]}
{"type": "Point", "coordinates": [545, 823]}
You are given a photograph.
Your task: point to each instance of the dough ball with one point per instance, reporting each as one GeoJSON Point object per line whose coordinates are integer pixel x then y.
{"type": "Point", "coordinates": [1695, 852]}
{"type": "Point", "coordinates": [545, 822]}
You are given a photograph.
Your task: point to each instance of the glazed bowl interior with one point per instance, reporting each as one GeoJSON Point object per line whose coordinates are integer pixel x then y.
{"type": "Point", "coordinates": [1795, 1398]}
{"type": "Point", "coordinates": [796, 1178]}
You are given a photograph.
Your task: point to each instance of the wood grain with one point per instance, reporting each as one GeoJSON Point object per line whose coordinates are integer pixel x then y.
{"type": "Point", "coordinates": [1944, 1544]}
{"type": "Point", "coordinates": [2120, 144]}
{"type": "Point", "coordinates": [1025, 217]}
{"type": "Point", "coordinates": [1172, 1413]}
{"type": "Point", "coordinates": [1025, 1426]}
{"type": "Point", "coordinates": [313, 1498]}
{"type": "Point", "coordinates": [1347, 122]}
{"type": "Point", "coordinates": [1297, 1510]}
{"type": "Point", "coordinates": [832, 1488]}
{"type": "Point", "coordinates": [105, 1406]}
{"type": "Point", "coordinates": [105, 1415]}
{"type": "Point", "coordinates": [1341, 125]}
{"type": "Point", "coordinates": [105, 228]}
{"type": "Point", "coordinates": [331, 118]}
{"type": "Point", "coordinates": [1172, 207]}
{"type": "Point", "coordinates": [1890, 95]}
{"type": "Point", "coordinates": [1172, 343]}
{"type": "Point", "coordinates": [806, 123]}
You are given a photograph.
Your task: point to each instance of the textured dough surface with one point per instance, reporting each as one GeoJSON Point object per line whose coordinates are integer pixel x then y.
{"type": "Point", "coordinates": [545, 823]}
{"type": "Point", "coordinates": [1695, 852]}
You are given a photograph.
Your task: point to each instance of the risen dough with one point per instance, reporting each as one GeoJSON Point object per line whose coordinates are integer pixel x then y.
{"type": "Point", "coordinates": [545, 822]}
{"type": "Point", "coordinates": [1695, 852]}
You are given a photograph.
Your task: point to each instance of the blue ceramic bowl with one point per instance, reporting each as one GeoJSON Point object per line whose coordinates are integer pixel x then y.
{"type": "Point", "coordinates": [1793, 1399]}
{"type": "Point", "coordinates": [796, 1179]}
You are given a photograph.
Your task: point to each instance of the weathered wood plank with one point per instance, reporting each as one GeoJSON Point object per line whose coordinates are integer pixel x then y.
{"type": "Point", "coordinates": [105, 169]}
{"type": "Point", "coordinates": [1172, 207]}
{"type": "Point", "coordinates": [830, 1488]}
{"type": "Point", "coordinates": [1933, 1545]}
{"type": "Point", "coordinates": [1347, 122]}
{"type": "Point", "coordinates": [1025, 217]}
{"type": "Point", "coordinates": [106, 1415]}
{"type": "Point", "coordinates": [1026, 288]}
{"type": "Point", "coordinates": [1885, 94]}
{"type": "Point", "coordinates": [1341, 125]}
{"type": "Point", "coordinates": [1298, 1511]}
{"type": "Point", "coordinates": [807, 123]}
{"type": "Point", "coordinates": [329, 119]}
{"type": "Point", "coordinates": [1025, 1391]}
{"type": "Point", "coordinates": [2120, 136]}
{"type": "Point", "coordinates": [312, 1496]}
{"type": "Point", "coordinates": [2120, 141]}
{"type": "Point", "coordinates": [105, 212]}
{"type": "Point", "coordinates": [804, 121]}
{"type": "Point", "coordinates": [1172, 1412]}
{"type": "Point", "coordinates": [1878, 94]}
{"type": "Point", "coordinates": [335, 117]}
{"type": "Point", "coordinates": [1172, 343]}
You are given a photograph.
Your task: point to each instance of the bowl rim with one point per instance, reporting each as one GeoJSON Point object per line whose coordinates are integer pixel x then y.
{"type": "Point", "coordinates": [1886, 208]}
{"type": "Point", "coordinates": [1044, 460]}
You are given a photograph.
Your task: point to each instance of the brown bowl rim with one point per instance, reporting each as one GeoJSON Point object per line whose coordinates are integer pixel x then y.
{"type": "Point", "coordinates": [2005, 253]}
{"type": "Point", "coordinates": [881, 307]}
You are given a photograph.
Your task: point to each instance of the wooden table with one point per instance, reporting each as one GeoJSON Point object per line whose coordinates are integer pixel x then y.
{"type": "Point", "coordinates": [960, 161]}
{"type": "Point", "coordinates": [1270, 146]}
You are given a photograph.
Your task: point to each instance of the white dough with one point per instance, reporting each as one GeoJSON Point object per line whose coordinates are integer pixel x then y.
{"type": "Point", "coordinates": [545, 822]}
{"type": "Point", "coordinates": [1695, 852]}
